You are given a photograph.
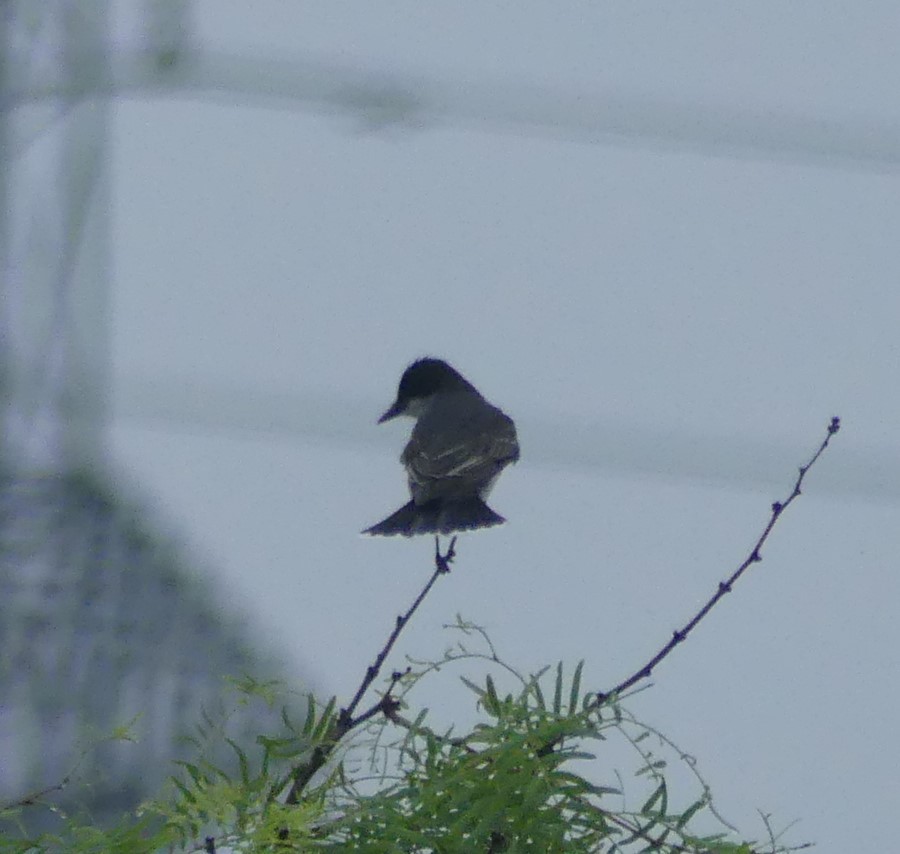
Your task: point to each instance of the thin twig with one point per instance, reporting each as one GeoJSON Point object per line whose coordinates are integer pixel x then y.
{"type": "Point", "coordinates": [32, 798]}
{"type": "Point", "coordinates": [441, 566]}
{"type": "Point", "coordinates": [394, 716]}
{"type": "Point", "coordinates": [347, 718]}
{"type": "Point", "coordinates": [724, 586]}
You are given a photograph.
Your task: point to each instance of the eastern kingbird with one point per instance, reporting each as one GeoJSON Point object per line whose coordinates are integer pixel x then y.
{"type": "Point", "coordinates": [458, 447]}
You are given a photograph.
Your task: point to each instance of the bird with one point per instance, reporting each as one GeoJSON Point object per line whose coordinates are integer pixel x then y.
{"type": "Point", "coordinates": [459, 445]}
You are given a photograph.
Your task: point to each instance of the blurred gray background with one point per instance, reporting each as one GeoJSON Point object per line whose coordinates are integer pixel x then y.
{"type": "Point", "coordinates": [664, 239]}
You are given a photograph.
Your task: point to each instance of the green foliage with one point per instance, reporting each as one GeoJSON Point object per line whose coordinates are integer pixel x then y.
{"type": "Point", "coordinates": [524, 779]}
{"type": "Point", "coordinates": [500, 788]}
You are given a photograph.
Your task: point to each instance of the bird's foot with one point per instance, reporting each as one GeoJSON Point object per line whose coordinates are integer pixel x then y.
{"type": "Point", "coordinates": [442, 561]}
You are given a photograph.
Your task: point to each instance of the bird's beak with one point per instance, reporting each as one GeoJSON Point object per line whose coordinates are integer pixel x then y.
{"type": "Point", "coordinates": [395, 409]}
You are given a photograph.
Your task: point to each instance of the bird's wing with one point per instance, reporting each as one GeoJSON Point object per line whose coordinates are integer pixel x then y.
{"type": "Point", "coordinates": [438, 468]}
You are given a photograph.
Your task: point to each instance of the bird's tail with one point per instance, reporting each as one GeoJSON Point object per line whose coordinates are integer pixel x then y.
{"type": "Point", "coordinates": [437, 517]}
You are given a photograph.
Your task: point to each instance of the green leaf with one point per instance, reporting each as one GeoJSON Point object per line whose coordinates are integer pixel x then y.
{"type": "Point", "coordinates": [242, 761]}
{"type": "Point", "coordinates": [490, 698]}
{"type": "Point", "coordinates": [310, 721]}
{"type": "Point", "coordinates": [185, 792]}
{"type": "Point", "coordinates": [660, 797]}
{"type": "Point", "coordinates": [476, 689]}
{"type": "Point", "coordinates": [324, 725]}
{"type": "Point", "coordinates": [193, 772]}
{"type": "Point", "coordinates": [575, 690]}
{"type": "Point", "coordinates": [557, 693]}
{"type": "Point", "coordinates": [690, 812]}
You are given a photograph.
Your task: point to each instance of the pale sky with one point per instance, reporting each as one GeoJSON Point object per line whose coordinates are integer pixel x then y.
{"type": "Point", "coordinates": [671, 326]}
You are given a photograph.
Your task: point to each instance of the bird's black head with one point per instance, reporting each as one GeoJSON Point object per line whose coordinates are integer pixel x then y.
{"type": "Point", "coordinates": [422, 379]}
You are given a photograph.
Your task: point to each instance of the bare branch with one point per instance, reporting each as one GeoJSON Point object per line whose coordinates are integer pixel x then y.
{"type": "Point", "coordinates": [347, 717]}
{"type": "Point", "coordinates": [725, 586]}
